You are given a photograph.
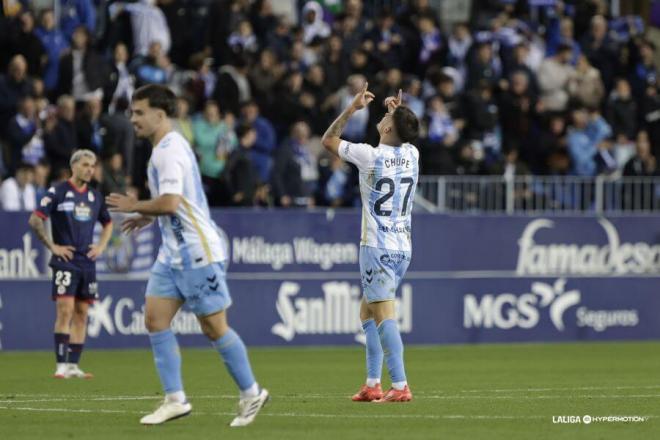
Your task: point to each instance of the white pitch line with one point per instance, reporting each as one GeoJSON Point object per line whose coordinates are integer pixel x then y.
{"type": "Point", "coordinates": [532, 390]}
{"type": "Point", "coordinates": [346, 396]}
{"type": "Point", "coordinates": [291, 414]}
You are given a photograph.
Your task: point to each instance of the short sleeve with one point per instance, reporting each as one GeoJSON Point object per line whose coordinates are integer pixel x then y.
{"type": "Point", "coordinates": [104, 215]}
{"type": "Point", "coordinates": [47, 204]}
{"type": "Point", "coordinates": [361, 155]}
{"type": "Point", "coordinates": [170, 175]}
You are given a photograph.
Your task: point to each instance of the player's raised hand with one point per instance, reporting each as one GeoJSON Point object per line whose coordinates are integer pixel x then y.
{"type": "Point", "coordinates": [363, 98]}
{"type": "Point", "coordinates": [120, 202]}
{"type": "Point", "coordinates": [132, 224]}
{"type": "Point", "coordinates": [392, 102]}
{"type": "Point", "coordinates": [63, 252]}
{"type": "Point", "coordinates": [95, 251]}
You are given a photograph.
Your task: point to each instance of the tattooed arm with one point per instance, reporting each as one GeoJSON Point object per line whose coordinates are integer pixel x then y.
{"type": "Point", "coordinates": [39, 228]}
{"type": "Point", "coordinates": [331, 138]}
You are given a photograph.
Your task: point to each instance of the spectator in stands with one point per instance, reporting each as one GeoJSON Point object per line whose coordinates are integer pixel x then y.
{"type": "Point", "coordinates": [295, 172]}
{"type": "Point", "coordinates": [183, 122]}
{"type": "Point", "coordinates": [13, 86]}
{"type": "Point", "coordinates": [114, 179]}
{"type": "Point", "coordinates": [645, 72]}
{"type": "Point", "coordinates": [335, 63]}
{"type": "Point", "coordinates": [585, 140]}
{"type": "Point", "coordinates": [585, 86]}
{"type": "Point", "coordinates": [121, 83]}
{"type": "Point", "coordinates": [26, 42]}
{"type": "Point", "coordinates": [385, 41]}
{"type": "Point", "coordinates": [82, 70]}
{"type": "Point", "coordinates": [233, 86]}
{"type": "Point", "coordinates": [201, 83]}
{"type": "Point", "coordinates": [356, 127]}
{"type": "Point", "coordinates": [551, 140]}
{"type": "Point", "coordinates": [482, 116]}
{"type": "Point", "coordinates": [55, 44]}
{"type": "Point", "coordinates": [336, 182]}
{"type": "Point", "coordinates": [264, 145]}
{"type": "Point", "coordinates": [601, 51]}
{"type": "Point", "coordinates": [458, 46]}
{"type": "Point", "coordinates": [482, 68]}
{"type": "Point", "coordinates": [150, 69]}
{"type": "Point", "coordinates": [24, 135]}
{"type": "Point", "coordinates": [60, 136]}
{"type": "Point", "coordinates": [312, 22]}
{"type": "Point", "coordinates": [18, 193]}
{"type": "Point", "coordinates": [621, 111]}
{"type": "Point", "coordinates": [441, 135]}
{"type": "Point", "coordinates": [214, 141]}
{"type": "Point", "coordinates": [643, 164]}
{"type": "Point", "coordinates": [264, 77]}
{"type": "Point", "coordinates": [76, 13]}
{"type": "Point", "coordinates": [554, 76]}
{"type": "Point", "coordinates": [431, 42]}
{"type": "Point", "coordinates": [41, 178]}
{"type": "Point", "coordinates": [90, 131]}
{"type": "Point", "coordinates": [241, 179]}
{"type": "Point", "coordinates": [518, 107]}
{"type": "Point", "coordinates": [148, 23]}
{"type": "Point", "coordinates": [242, 40]}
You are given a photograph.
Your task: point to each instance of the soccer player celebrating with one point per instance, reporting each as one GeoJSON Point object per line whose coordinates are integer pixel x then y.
{"type": "Point", "coordinates": [74, 209]}
{"type": "Point", "coordinates": [191, 261]}
{"type": "Point", "coordinates": [388, 177]}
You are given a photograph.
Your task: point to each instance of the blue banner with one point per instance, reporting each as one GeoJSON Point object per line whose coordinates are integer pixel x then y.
{"type": "Point", "coordinates": [472, 279]}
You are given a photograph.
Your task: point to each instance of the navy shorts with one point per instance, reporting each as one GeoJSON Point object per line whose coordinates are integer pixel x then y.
{"type": "Point", "coordinates": [77, 282]}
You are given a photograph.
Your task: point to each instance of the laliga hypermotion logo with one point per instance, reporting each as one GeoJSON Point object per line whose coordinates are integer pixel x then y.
{"type": "Point", "coordinates": [506, 311]}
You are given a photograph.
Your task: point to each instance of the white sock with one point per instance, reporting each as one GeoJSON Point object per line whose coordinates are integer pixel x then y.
{"type": "Point", "coordinates": [371, 382]}
{"type": "Point", "coordinates": [178, 396]}
{"type": "Point", "coordinates": [59, 365]}
{"type": "Point", "coordinates": [253, 391]}
{"type": "Point", "coordinates": [399, 385]}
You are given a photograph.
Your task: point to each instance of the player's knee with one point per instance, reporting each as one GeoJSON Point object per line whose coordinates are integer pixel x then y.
{"type": "Point", "coordinates": [154, 323]}
{"type": "Point", "coordinates": [213, 332]}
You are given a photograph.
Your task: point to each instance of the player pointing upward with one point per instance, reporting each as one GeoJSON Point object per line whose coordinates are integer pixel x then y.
{"type": "Point", "coordinates": [388, 178]}
{"type": "Point", "coordinates": [191, 261]}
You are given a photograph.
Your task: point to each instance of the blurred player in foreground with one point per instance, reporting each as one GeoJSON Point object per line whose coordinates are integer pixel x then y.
{"type": "Point", "coordinates": [388, 178]}
{"type": "Point", "coordinates": [74, 208]}
{"type": "Point", "coordinates": [191, 261]}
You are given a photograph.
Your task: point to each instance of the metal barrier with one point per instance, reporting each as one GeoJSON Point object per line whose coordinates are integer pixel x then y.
{"type": "Point", "coordinates": [540, 195]}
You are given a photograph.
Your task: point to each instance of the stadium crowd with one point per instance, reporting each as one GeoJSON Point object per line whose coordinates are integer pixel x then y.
{"type": "Point", "coordinates": [566, 89]}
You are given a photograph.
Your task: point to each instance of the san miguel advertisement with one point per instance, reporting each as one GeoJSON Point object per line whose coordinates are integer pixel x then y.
{"type": "Point", "coordinates": [472, 279]}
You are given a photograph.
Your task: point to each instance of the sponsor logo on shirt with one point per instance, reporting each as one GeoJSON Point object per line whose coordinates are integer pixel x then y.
{"type": "Point", "coordinates": [90, 197]}
{"type": "Point", "coordinates": [65, 206]}
{"type": "Point", "coordinates": [82, 213]}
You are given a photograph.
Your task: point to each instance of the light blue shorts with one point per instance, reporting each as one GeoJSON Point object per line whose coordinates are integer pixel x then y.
{"type": "Point", "coordinates": [382, 270]}
{"type": "Point", "coordinates": [203, 290]}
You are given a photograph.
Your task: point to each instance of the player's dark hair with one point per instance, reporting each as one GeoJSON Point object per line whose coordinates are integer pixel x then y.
{"type": "Point", "coordinates": [157, 96]}
{"type": "Point", "coordinates": [406, 124]}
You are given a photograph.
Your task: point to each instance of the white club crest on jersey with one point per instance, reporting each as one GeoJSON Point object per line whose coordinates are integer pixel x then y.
{"type": "Point", "coordinates": [90, 196]}
{"type": "Point", "coordinates": [69, 195]}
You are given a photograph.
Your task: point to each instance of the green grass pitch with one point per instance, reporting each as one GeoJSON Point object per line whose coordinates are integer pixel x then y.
{"type": "Point", "coordinates": [472, 392]}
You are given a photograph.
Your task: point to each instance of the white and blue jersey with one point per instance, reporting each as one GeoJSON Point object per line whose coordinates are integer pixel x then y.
{"type": "Point", "coordinates": [192, 256]}
{"type": "Point", "coordinates": [191, 239]}
{"type": "Point", "coordinates": [388, 178]}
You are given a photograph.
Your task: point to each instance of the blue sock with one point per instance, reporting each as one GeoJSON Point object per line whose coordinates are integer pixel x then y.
{"type": "Point", "coordinates": [390, 339]}
{"type": "Point", "coordinates": [61, 347]}
{"type": "Point", "coordinates": [374, 349]}
{"type": "Point", "coordinates": [234, 354]}
{"type": "Point", "coordinates": [75, 350]}
{"type": "Point", "coordinates": [167, 359]}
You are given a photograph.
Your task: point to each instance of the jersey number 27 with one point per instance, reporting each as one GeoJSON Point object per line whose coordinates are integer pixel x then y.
{"type": "Point", "coordinates": [391, 187]}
